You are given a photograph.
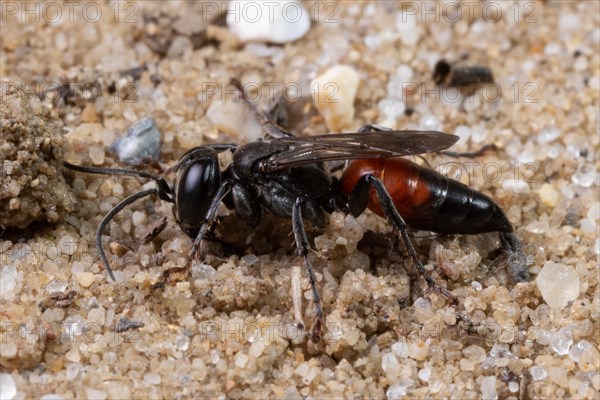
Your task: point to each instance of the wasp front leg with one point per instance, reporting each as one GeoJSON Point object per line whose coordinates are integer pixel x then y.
{"type": "Point", "coordinates": [208, 219]}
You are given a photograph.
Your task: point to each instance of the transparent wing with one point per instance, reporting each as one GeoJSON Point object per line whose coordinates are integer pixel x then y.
{"type": "Point", "coordinates": [348, 146]}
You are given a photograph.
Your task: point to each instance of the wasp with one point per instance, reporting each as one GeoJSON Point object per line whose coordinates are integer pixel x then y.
{"type": "Point", "coordinates": [290, 177]}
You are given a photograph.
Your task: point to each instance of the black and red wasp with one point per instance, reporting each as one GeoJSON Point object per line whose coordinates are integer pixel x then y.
{"type": "Point", "coordinates": [289, 176]}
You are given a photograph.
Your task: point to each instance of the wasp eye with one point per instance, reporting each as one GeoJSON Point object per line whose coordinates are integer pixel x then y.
{"type": "Point", "coordinates": [198, 183]}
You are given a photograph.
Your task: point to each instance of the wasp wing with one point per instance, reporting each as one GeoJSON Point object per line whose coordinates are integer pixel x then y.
{"type": "Point", "coordinates": [348, 146]}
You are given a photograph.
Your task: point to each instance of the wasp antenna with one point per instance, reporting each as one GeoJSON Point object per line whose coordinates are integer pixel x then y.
{"type": "Point", "coordinates": [108, 217]}
{"type": "Point", "coordinates": [165, 192]}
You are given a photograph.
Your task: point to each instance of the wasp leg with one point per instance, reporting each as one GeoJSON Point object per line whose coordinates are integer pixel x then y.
{"type": "Point", "coordinates": [359, 197]}
{"type": "Point", "coordinates": [517, 260]}
{"type": "Point", "coordinates": [470, 154]}
{"type": "Point", "coordinates": [209, 218]}
{"type": "Point", "coordinates": [373, 127]}
{"type": "Point", "coordinates": [303, 249]}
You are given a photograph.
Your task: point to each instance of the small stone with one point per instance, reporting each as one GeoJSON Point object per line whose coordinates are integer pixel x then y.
{"type": "Point", "coordinates": [291, 393]}
{"type": "Point", "coordinates": [474, 353]}
{"type": "Point", "coordinates": [8, 387]}
{"type": "Point", "coordinates": [256, 349]}
{"type": "Point", "coordinates": [400, 349]}
{"type": "Point", "coordinates": [51, 396]}
{"type": "Point", "coordinates": [281, 21]}
{"type": "Point", "coordinates": [96, 155]}
{"type": "Point", "coordinates": [152, 378]}
{"type": "Point", "coordinates": [179, 46]}
{"type": "Point", "coordinates": [538, 373]}
{"type": "Point", "coordinates": [391, 366]}
{"type": "Point", "coordinates": [88, 114]}
{"type": "Point", "coordinates": [585, 355]}
{"type": "Point", "coordinates": [409, 28]}
{"type": "Point", "coordinates": [464, 133]}
{"type": "Point", "coordinates": [125, 324]}
{"type": "Point", "coordinates": [399, 390]}
{"type": "Point", "coordinates": [67, 245]}
{"type": "Point", "coordinates": [140, 143]}
{"type": "Point", "coordinates": [85, 279]}
{"type": "Point", "coordinates": [593, 212]}
{"type": "Point", "coordinates": [118, 249]}
{"type": "Point", "coordinates": [558, 283]}
{"type": "Point", "coordinates": [138, 218]}
{"type": "Point", "coordinates": [95, 394]}
{"type": "Point", "coordinates": [588, 226]}
{"type": "Point", "coordinates": [391, 108]}
{"type": "Point", "coordinates": [579, 349]}
{"type": "Point", "coordinates": [548, 195]}
{"type": "Point", "coordinates": [235, 118]}
{"type": "Point", "coordinates": [241, 360]}
{"type": "Point", "coordinates": [429, 123]}
{"type": "Point", "coordinates": [418, 350]}
{"type": "Point", "coordinates": [548, 134]}
{"type": "Point", "coordinates": [585, 175]}
{"type": "Point", "coordinates": [424, 374]}
{"type": "Point", "coordinates": [488, 388]}
{"type": "Point", "coordinates": [182, 342]}
{"type": "Point", "coordinates": [334, 94]}
{"type": "Point", "coordinates": [561, 341]}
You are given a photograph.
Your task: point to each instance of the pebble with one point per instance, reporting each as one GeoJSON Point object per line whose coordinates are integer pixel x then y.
{"type": "Point", "coordinates": [279, 22]}
{"type": "Point", "coordinates": [561, 341]}
{"type": "Point", "coordinates": [391, 367]}
{"type": "Point", "coordinates": [558, 283]}
{"type": "Point", "coordinates": [241, 360]}
{"type": "Point", "coordinates": [429, 123]}
{"type": "Point", "coordinates": [548, 195]}
{"type": "Point", "coordinates": [140, 143]}
{"type": "Point", "coordinates": [152, 378]}
{"type": "Point", "coordinates": [585, 175]}
{"type": "Point", "coordinates": [67, 245]}
{"type": "Point", "coordinates": [409, 29]}
{"type": "Point", "coordinates": [418, 350]}
{"type": "Point", "coordinates": [85, 279]}
{"type": "Point", "coordinates": [51, 396]}
{"type": "Point", "coordinates": [399, 390]}
{"type": "Point", "coordinates": [8, 276]}
{"type": "Point", "coordinates": [474, 353]}
{"type": "Point", "coordinates": [488, 388]}
{"type": "Point", "coordinates": [8, 387]}
{"type": "Point", "coordinates": [588, 226]}
{"type": "Point", "coordinates": [424, 374]}
{"type": "Point", "coordinates": [96, 155]}
{"type": "Point", "coordinates": [235, 118]}
{"type": "Point", "coordinates": [538, 373]}
{"type": "Point", "coordinates": [391, 108]}
{"type": "Point", "coordinates": [585, 355]}
{"type": "Point", "coordinates": [256, 349]}
{"type": "Point", "coordinates": [579, 349]}
{"type": "Point", "coordinates": [334, 96]}
{"type": "Point", "coordinates": [548, 134]}
{"type": "Point", "coordinates": [138, 218]}
{"type": "Point", "coordinates": [95, 394]}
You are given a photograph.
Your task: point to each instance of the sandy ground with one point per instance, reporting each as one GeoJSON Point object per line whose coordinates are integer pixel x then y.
{"type": "Point", "coordinates": [229, 330]}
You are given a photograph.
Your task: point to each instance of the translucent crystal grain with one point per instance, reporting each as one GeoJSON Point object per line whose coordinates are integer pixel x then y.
{"type": "Point", "coordinates": [538, 373]}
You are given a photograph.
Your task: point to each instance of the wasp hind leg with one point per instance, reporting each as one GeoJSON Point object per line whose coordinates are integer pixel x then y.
{"type": "Point", "coordinates": [357, 204]}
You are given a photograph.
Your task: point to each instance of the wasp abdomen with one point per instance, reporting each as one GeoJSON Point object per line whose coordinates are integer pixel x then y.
{"type": "Point", "coordinates": [428, 200]}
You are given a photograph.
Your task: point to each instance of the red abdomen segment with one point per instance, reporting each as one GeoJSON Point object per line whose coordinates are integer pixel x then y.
{"type": "Point", "coordinates": [428, 200]}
